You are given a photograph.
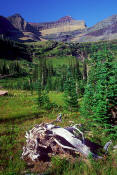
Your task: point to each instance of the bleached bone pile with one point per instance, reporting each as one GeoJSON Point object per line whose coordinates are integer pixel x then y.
{"type": "Point", "coordinates": [47, 138]}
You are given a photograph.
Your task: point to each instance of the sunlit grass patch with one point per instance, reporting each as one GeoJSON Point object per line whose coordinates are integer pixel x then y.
{"type": "Point", "coordinates": [17, 106]}
{"type": "Point", "coordinates": [59, 61]}
{"type": "Point", "coordinates": [56, 97]}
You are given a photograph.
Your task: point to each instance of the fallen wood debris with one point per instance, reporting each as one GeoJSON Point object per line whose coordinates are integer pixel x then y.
{"type": "Point", "coordinates": [48, 139]}
{"type": "Point", "coordinates": [2, 93]}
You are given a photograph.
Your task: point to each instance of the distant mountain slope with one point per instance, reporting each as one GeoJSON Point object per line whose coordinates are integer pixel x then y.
{"type": "Point", "coordinates": [104, 30]}
{"type": "Point", "coordinates": [29, 32]}
{"type": "Point", "coordinates": [57, 30]}
{"type": "Point", "coordinates": [18, 22]}
{"type": "Point", "coordinates": [64, 24]}
{"type": "Point", "coordinates": [7, 29]}
{"type": "Point", "coordinates": [40, 31]}
{"type": "Point", "coordinates": [5, 25]}
{"type": "Point", "coordinates": [65, 29]}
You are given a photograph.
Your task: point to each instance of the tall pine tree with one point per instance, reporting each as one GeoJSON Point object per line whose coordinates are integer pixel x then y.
{"type": "Point", "coordinates": [100, 99]}
{"type": "Point", "coordinates": [71, 97]}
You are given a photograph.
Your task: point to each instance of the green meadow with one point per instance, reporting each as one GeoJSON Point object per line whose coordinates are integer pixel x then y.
{"type": "Point", "coordinates": [77, 80]}
{"type": "Point", "coordinates": [19, 112]}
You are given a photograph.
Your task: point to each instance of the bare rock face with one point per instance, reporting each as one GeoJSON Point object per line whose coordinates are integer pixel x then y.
{"type": "Point", "coordinates": [28, 31]}
{"type": "Point", "coordinates": [64, 24]}
{"type": "Point", "coordinates": [18, 22]}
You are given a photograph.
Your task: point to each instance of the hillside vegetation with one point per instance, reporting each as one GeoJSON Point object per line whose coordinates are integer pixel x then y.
{"type": "Point", "coordinates": [13, 50]}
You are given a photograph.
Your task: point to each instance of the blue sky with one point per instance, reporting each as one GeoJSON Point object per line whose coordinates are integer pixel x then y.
{"type": "Point", "coordinates": [92, 11]}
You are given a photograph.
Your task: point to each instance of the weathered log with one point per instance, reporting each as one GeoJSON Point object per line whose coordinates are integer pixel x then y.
{"type": "Point", "coordinates": [2, 93]}
{"type": "Point", "coordinates": [48, 138]}
{"type": "Point", "coordinates": [5, 76]}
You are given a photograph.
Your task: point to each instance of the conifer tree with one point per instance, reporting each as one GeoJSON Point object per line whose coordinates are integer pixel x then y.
{"type": "Point", "coordinates": [71, 97]}
{"type": "Point", "coordinates": [35, 73]}
{"type": "Point", "coordinates": [43, 71]}
{"type": "Point", "coordinates": [100, 97]}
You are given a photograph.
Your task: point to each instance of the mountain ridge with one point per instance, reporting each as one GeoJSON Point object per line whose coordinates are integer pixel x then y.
{"type": "Point", "coordinates": [64, 29]}
{"type": "Point", "coordinates": [103, 30]}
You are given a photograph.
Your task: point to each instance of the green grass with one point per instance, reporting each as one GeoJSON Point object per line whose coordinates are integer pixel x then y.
{"type": "Point", "coordinates": [63, 60]}
{"type": "Point", "coordinates": [82, 167]}
{"type": "Point", "coordinates": [56, 97]}
{"type": "Point", "coordinates": [19, 113]}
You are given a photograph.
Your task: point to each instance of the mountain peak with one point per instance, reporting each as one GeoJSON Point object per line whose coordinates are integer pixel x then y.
{"type": "Point", "coordinates": [16, 15]}
{"type": "Point", "coordinates": [17, 21]}
{"type": "Point", "coordinates": [65, 18]}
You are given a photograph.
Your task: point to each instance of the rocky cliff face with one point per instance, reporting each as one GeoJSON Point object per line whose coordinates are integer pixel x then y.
{"type": "Point", "coordinates": [29, 33]}
{"type": "Point", "coordinates": [64, 29]}
{"type": "Point", "coordinates": [37, 31]}
{"type": "Point", "coordinates": [7, 29]}
{"type": "Point", "coordinates": [64, 24]}
{"type": "Point", "coordinates": [18, 22]}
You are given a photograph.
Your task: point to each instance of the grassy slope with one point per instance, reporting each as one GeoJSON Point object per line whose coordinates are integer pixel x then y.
{"type": "Point", "coordinates": [59, 61]}
{"type": "Point", "coordinates": [18, 113]}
